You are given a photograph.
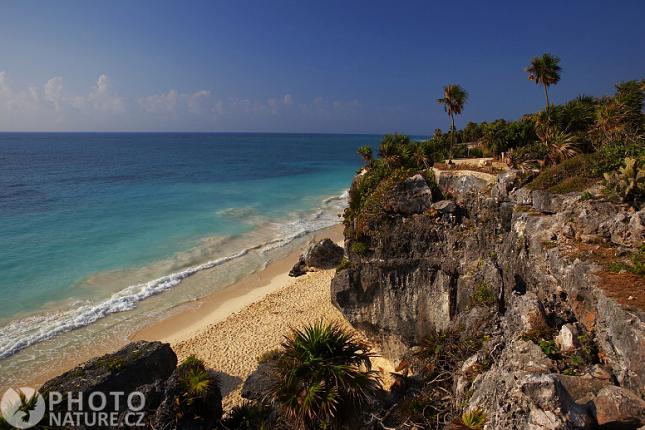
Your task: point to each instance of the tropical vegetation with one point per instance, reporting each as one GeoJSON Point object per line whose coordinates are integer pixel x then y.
{"type": "Point", "coordinates": [324, 378]}
{"type": "Point", "coordinates": [453, 101]}
{"type": "Point", "coordinates": [546, 71]}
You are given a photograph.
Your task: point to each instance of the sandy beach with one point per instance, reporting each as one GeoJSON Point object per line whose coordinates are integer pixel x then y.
{"type": "Point", "coordinates": [230, 330]}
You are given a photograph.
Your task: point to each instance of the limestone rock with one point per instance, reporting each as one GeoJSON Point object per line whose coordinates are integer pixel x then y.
{"type": "Point", "coordinates": [256, 385]}
{"type": "Point", "coordinates": [567, 339]}
{"type": "Point", "coordinates": [582, 389]}
{"type": "Point", "coordinates": [323, 254]}
{"type": "Point", "coordinates": [553, 406]}
{"type": "Point", "coordinates": [445, 206]}
{"type": "Point", "coordinates": [414, 197]}
{"type": "Point", "coordinates": [136, 365]}
{"type": "Point", "coordinates": [618, 407]}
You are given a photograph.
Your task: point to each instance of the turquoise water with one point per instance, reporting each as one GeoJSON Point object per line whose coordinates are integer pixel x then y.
{"type": "Point", "coordinates": [99, 230]}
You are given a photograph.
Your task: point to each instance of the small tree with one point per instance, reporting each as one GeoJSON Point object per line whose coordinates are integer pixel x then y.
{"type": "Point", "coordinates": [545, 70]}
{"type": "Point", "coordinates": [324, 378]}
{"type": "Point", "coordinates": [453, 103]}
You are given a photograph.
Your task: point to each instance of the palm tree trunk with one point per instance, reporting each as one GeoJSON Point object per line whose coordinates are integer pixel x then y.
{"type": "Point", "coordinates": [546, 94]}
{"type": "Point", "coordinates": [452, 135]}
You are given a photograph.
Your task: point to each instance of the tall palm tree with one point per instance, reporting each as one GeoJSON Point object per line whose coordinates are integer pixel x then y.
{"type": "Point", "coordinates": [324, 378]}
{"type": "Point", "coordinates": [453, 103]}
{"type": "Point", "coordinates": [545, 70]}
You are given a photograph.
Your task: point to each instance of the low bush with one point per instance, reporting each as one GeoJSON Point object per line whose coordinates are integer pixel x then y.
{"type": "Point", "coordinates": [574, 174]}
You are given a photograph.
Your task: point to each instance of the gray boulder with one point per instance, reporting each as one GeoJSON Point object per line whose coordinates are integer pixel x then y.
{"type": "Point", "coordinates": [324, 254]}
{"type": "Point", "coordinates": [445, 206]}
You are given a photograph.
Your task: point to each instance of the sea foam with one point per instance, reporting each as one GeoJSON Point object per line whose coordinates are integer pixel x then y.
{"type": "Point", "coordinates": [29, 331]}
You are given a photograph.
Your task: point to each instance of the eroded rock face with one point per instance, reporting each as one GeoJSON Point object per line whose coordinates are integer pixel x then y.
{"type": "Point", "coordinates": [506, 249]}
{"type": "Point", "coordinates": [137, 367]}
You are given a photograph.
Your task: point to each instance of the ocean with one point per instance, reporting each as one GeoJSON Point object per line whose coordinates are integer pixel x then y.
{"type": "Point", "coordinates": [98, 230]}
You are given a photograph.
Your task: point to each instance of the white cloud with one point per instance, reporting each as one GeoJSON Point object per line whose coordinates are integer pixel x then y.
{"type": "Point", "coordinates": [53, 106]}
{"type": "Point", "coordinates": [104, 98]}
{"type": "Point", "coordinates": [53, 91]}
{"type": "Point", "coordinates": [174, 104]}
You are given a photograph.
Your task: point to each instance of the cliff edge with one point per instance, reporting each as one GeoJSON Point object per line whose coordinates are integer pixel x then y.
{"type": "Point", "coordinates": [549, 287]}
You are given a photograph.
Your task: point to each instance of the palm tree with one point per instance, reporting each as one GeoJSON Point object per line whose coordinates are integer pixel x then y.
{"type": "Point", "coordinates": [324, 377]}
{"type": "Point", "coordinates": [420, 155]}
{"type": "Point", "coordinates": [545, 70]}
{"type": "Point", "coordinates": [394, 149]}
{"type": "Point", "coordinates": [366, 154]}
{"type": "Point", "coordinates": [453, 103]}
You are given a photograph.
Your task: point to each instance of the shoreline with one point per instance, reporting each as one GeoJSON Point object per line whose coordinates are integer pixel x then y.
{"type": "Point", "coordinates": [231, 329]}
{"type": "Point", "coordinates": [197, 315]}
{"type": "Point", "coordinates": [220, 305]}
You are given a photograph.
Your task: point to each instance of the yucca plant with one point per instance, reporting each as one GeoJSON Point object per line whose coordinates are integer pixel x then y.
{"type": "Point", "coordinates": [470, 420]}
{"type": "Point", "coordinates": [324, 378]}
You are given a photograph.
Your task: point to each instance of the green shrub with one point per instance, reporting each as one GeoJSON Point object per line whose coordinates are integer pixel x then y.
{"type": "Point", "coordinates": [247, 416]}
{"type": "Point", "coordinates": [534, 151]}
{"type": "Point", "coordinates": [476, 153]}
{"type": "Point", "coordinates": [344, 264]}
{"type": "Point", "coordinates": [586, 196]}
{"type": "Point", "coordinates": [268, 356]}
{"type": "Point", "coordinates": [574, 174]}
{"type": "Point", "coordinates": [197, 396]}
{"type": "Point", "coordinates": [359, 248]}
{"type": "Point", "coordinates": [484, 295]}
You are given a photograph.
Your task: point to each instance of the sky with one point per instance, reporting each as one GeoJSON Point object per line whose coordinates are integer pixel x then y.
{"type": "Point", "coordinates": [328, 66]}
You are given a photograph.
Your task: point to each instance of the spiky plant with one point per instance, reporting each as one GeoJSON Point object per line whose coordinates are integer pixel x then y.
{"type": "Point", "coordinates": [394, 150]}
{"type": "Point", "coordinates": [246, 416]}
{"type": "Point", "coordinates": [198, 398]}
{"type": "Point", "coordinates": [453, 101]}
{"type": "Point", "coordinates": [365, 153]}
{"type": "Point", "coordinates": [420, 155]}
{"type": "Point", "coordinates": [196, 383]}
{"type": "Point", "coordinates": [324, 377]}
{"type": "Point", "coordinates": [546, 71]}
{"type": "Point", "coordinates": [470, 420]}
{"type": "Point", "coordinates": [628, 181]}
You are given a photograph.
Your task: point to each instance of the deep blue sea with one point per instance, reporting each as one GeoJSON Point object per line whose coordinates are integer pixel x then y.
{"type": "Point", "coordinates": [99, 231]}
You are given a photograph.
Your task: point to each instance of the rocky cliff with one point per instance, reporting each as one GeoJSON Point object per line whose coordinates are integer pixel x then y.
{"type": "Point", "coordinates": [555, 281]}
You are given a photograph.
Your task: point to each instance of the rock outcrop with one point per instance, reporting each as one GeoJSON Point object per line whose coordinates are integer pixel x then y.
{"type": "Point", "coordinates": [147, 369]}
{"type": "Point", "coordinates": [324, 254]}
{"type": "Point", "coordinates": [535, 260]}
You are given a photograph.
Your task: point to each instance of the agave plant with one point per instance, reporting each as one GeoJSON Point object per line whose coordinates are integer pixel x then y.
{"type": "Point", "coordinates": [324, 377]}
{"type": "Point", "coordinates": [470, 420]}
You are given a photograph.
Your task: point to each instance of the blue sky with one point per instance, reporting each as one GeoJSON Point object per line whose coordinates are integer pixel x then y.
{"type": "Point", "coordinates": [300, 66]}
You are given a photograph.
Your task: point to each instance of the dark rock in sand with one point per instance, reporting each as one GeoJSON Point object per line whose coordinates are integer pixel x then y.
{"type": "Point", "coordinates": [324, 254]}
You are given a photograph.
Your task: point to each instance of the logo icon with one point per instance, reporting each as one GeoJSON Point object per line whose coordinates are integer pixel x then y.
{"type": "Point", "coordinates": [22, 409]}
